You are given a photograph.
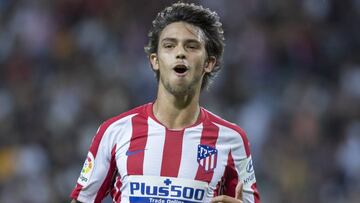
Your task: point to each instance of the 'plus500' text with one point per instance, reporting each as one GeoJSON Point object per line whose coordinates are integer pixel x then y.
{"type": "Point", "coordinates": [175, 191]}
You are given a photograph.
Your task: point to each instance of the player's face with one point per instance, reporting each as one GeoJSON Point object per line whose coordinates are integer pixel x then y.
{"type": "Point", "coordinates": [181, 58]}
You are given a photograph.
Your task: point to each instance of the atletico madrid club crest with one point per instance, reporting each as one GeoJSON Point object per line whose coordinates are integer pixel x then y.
{"type": "Point", "coordinates": [206, 157]}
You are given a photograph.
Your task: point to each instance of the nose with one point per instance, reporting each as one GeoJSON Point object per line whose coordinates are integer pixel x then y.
{"type": "Point", "coordinates": [180, 56]}
{"type": "Point", "coordinates": [180, 53]}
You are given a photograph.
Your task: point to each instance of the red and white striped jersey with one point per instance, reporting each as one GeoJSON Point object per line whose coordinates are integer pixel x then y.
{"type": "Point", "coordinates": [137, 159]}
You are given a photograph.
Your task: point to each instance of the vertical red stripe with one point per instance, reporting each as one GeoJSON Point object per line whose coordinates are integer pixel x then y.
{"type": "Point", "coordinates": [256, 193]}
{"type": "Point", "coordinates": [231, 177]}
{"type": "Point", "coordinates": [219, 190]}
{"type": "Point", "coordinates": [75, 193]}
{"type": "Point", "coordinates": [106, 185]}
{"type": "Point", "coordinates": [209, 137]}
{"type": "Point", "coordinates": [115, 193]}
{"type": "Point", "coordinates": [136, 149]}
{"type": "Point", "coordinates": [172, 153]}
{"type": "Point", "coordinates": [117, 197]}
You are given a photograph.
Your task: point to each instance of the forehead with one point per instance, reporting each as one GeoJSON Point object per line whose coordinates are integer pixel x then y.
{"type": "Point", "coordinates": [182, 31]}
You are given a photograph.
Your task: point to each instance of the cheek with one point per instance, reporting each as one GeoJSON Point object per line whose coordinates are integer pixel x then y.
{"type": "Point", "coordinates": [164, 59]}
{"type": "Point", "coordinates": [162, 64]}
{"type": "Point", "coordinates": [201, 62]}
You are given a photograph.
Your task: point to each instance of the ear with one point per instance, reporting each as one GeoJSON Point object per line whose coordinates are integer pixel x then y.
{"type": "Point", "coordinates": [154, 61]}
{"type": "Point", "coordinates": [210, 64]}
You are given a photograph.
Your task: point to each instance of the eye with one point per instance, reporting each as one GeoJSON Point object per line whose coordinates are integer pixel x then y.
{"type": "Point", "coordinates": [192, 46]}
{"type": "Point", "coordinates": [168, 45]}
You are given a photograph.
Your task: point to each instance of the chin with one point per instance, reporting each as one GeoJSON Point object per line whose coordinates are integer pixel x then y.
{"type": "Point", "coordinates": [179, 90]}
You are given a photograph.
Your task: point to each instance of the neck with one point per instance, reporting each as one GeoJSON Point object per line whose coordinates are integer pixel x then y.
{"type": "Point", "coordinates": [176, 111]}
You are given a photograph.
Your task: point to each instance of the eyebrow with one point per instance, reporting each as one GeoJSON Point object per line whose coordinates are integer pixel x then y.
{"type": "Point", "coordinates": [175, 40]}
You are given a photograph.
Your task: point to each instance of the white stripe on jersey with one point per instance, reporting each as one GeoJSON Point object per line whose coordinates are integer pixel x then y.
{"type": "Point", "coordinates": [207, 163]}
{"type": "Point", "coordinates": [212, 160]}
{"type": "Point", "coordinates": [154, 148]}
{"type": "Point", "coordinates": [123, 138]}
{"type": "Point", "coordinates": [189, 164]}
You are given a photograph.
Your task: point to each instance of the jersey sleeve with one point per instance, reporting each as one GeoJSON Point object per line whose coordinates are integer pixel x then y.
{"type": "Point", "coordinates": [240, 169]}
{"type": "Point", "coordinates": [96, 176]}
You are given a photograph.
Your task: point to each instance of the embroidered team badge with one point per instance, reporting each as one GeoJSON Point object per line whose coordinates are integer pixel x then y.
{"type": "Point", "coordinates": [206, 157]}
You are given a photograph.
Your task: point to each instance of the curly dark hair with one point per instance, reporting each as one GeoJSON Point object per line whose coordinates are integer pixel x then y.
{"type": "Point", "coordinates": [204, 18]}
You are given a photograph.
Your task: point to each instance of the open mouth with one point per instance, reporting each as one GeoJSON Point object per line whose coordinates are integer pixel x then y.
{"type": "Point", "coordinates": [180, 69]}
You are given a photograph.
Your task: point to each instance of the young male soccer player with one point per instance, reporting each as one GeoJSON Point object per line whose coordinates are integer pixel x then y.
{"type": "Point", "coordinates": [173, 150]}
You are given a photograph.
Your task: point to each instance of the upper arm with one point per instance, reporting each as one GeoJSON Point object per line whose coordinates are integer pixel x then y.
{"type": "Point", "coordinates": [242, 168]}
{"type": "Point", "coordinates": [95, 177]}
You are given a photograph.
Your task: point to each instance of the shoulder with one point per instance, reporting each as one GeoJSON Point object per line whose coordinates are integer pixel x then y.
{"type": "Point", "coordinates": [231, 129]}
{"type": "Point", "coordinates": [222, 122]}
{"type": "Point", "coordinates": [140, 110]}
{"type": "Point", "coordinates": [116, 123]}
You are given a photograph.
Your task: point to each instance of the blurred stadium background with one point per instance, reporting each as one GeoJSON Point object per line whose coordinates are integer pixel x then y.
{"type": "Point", "coordinates": [291, 79]}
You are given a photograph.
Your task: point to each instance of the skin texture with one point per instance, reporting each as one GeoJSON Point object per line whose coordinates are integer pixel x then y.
{"type": "Point", "coordinates": [177, 103]}
{"type": "Point", "coordinates": [181, 44]}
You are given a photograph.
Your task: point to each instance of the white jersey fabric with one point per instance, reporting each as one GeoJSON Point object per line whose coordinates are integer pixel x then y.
{"type": "Point", "coordinates": [137, 159]}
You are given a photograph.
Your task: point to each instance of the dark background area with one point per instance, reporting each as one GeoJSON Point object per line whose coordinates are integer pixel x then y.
{"type": "Point", "coordinates": [291, 80]}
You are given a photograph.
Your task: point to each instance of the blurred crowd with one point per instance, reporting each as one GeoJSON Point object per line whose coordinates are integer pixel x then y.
{"type": "Point", "coordinates": [291, 80]}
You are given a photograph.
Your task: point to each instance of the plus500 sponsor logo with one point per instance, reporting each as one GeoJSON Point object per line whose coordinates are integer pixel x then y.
{"type": "Point", "coordinates": [175, 191]}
